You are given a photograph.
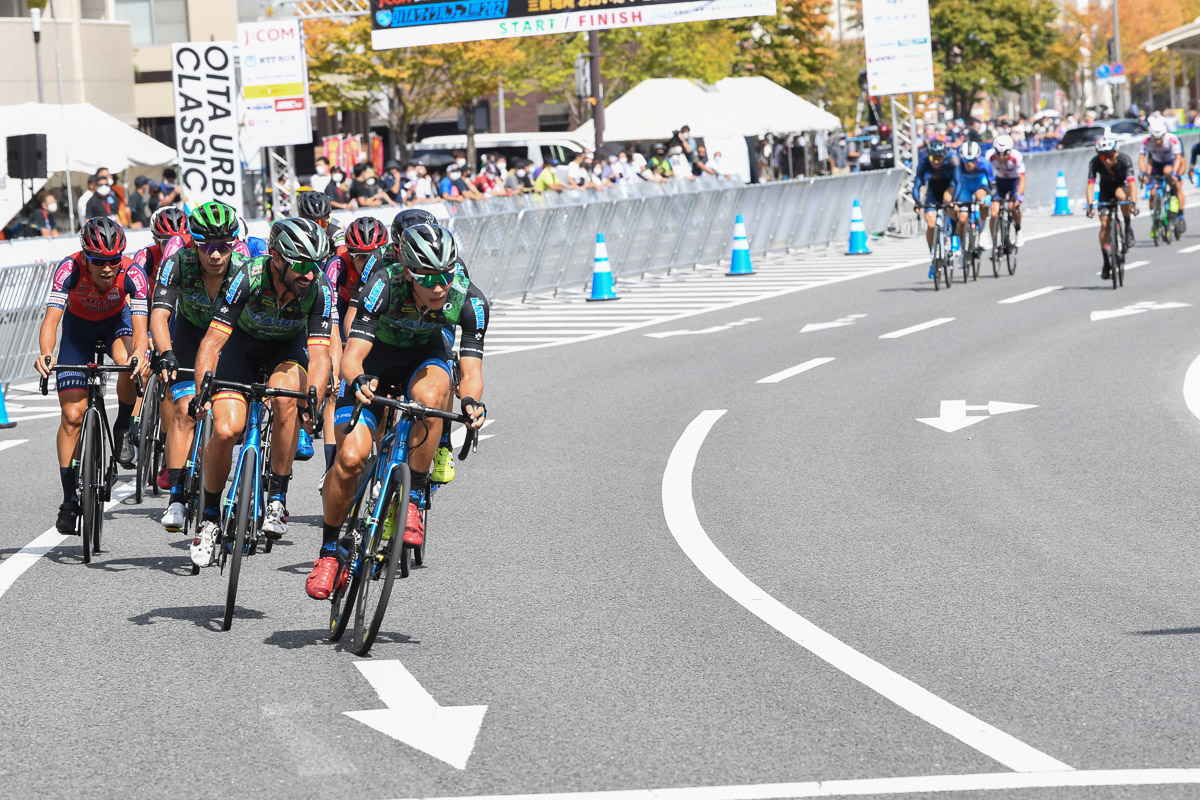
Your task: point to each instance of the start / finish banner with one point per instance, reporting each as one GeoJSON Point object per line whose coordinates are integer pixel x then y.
{"type": "Point", "coordinates": [206, 122]}
{"type": "Point", "coordinates": [899, 47]}
{"type": "Point", "coordinates": [410, 23]}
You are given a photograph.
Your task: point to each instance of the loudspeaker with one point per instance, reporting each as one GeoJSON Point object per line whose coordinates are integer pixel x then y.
{"type": "Point", "coordinates": [27, 156]}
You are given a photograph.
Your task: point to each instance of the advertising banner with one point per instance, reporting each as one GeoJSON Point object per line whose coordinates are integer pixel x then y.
{"type": "Point", "coordinates": [899, 47]}
{"type": "Point", "coordinates": [410, 23]}
{"type": "Point", "coordinates": [274, 84]}
{"type": "Point", "coordinates": [206, 125]}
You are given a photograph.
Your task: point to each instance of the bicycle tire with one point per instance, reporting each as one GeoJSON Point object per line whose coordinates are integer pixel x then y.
{"type": "Point", "coordinates": [968, 252]}
{"type": "Point", "coordinates": [246, 489]}
{"type": "Point", "coordinates": [380, 572]}
{"type": "Point", "coordinates": [418, 553]}
{"type": "Point", "coordinates": [145, 428]}
{"type": "Point", "coordinates": [345, 583]}
{"type": "Point", "coordinates": [157, 449]}
{"type": "Point", "coordinates": [89, 479]}
{"type": "Point", "coordinates": [1115, 256]}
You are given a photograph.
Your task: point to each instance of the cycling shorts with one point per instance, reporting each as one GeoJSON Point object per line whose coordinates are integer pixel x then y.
{"type": "Point", "coordinates": [396, 369]}
{"type": "Point", "coordinates": [1006, 189]}
{"type": "Point", "coordinates": [244, 359]}
{"type": "Point", "coordinates": [79, 337]}
{"type": "Point", "coordinates": [1108, 193]}
{"type": "Point", "coordinates": [185, 341]}
{"type": "Point", "coordinates": [934, 190]}
{"type": "Point", "coordinates": [1157, 167]}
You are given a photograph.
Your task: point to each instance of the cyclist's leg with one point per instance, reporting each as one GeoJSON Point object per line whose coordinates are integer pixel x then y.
{"type": "Point", "coordinates": [180, 427]}
{"type": "Point", "coordinates": [961, 213]}
{"type": "Point", "coordinates": [429, 385]}
{"type": "Point", "coordinates": [983, 198]}
{"type": "Point", "coordinates": [118, 341]}
{"type": "Point", "coordinates": [289, 372]}
{"type": "Point", "coordinates": [229, 416]}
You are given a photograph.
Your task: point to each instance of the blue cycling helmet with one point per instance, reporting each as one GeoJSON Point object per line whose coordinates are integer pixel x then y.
{"type": "Point", "coordinates": [936, 148]}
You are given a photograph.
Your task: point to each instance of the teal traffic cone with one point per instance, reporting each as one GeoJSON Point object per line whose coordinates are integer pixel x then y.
{"type": "Point", "coordinates": [739, 259]}
{"type": "Point", "coordinates": [4, 423]}
{"type": "Point", "coordinates": [858, 232]}
{"type": "Point", "coordinates": [602, 278]}
{"type": "Point", "coordinates": [1062, 201]}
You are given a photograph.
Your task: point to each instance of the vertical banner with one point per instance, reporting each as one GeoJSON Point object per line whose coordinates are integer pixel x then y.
{"type": "Point", "coordinates": [332, 150]}
{"type": "Point", "coordinates": [377, 152]}
{"type": "Point", "coordinates": [899, 46]}
{"type": "Point", "coordinates": [275, 105]}
{"type": "Point", "coordinates": [351, 152]}
{"type": "Point", "coordinates": [206, 126]}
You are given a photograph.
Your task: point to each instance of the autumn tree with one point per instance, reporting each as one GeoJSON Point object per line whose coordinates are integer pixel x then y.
{"type": "Point", "coordinates": [471, 70]}
{"type": "Point", "coordinates": [791, 48]}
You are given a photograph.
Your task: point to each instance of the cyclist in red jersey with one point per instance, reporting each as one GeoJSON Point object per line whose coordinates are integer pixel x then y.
{"type": "Point", "coordinates": [98, 294]}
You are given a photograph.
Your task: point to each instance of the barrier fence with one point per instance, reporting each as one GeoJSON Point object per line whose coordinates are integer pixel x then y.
{"type": "Point", "coordinates": [546, 245]}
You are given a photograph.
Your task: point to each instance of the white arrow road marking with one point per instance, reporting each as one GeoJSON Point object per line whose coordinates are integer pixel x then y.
{"type": "Point", "coordinates": [1029, 295]}
{"type": "Point", "coordinates": [680, 511]}
{"type": "Point", "coordinates": [1136, 308]}
{"type": "Point", "coordinates": [459, 434]}
{"type": "Point", "coordinates": [413, 717]}
{"type": "Point", "coordinates": [12, 443]}
{"type": "Point", "coordinates": [952, 415]}
{"type": "Point", "coordinates": [714, 329]}
{"type": "Point", "coordinates": [796, 370]}
{"type": "Point", "coordinates": [820, 326]}
{"type": "Point", "coordinates": [933, 323]}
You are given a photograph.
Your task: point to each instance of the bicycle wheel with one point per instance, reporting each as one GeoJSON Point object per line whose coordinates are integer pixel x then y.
{"type": "Point", "coordinates": [1116, 258]}
{"type": "Point", "coordinates": [145, 429]}
{"type": "Point", "coordinates": [418, 553]}
{"type": "Point", "coordinates": [89, 480]}
{"type": "Point", "coordinates": [380, 562]}
{"type": "Point", "coordinates": [968, 252]}
{"type": "Point", "coordinates": [158, 447]}
{"type": "Point", "coordinates": [350, 572]}
{"type": "Point", "coordinates": [245, 502]}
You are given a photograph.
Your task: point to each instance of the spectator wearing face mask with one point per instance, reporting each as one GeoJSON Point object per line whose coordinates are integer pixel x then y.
{"type": "Point", "coordinates": [139, 201]}
{"type": "Point", "coordinates": [171, 194]}
{"type": "Point", "coordinates": [577, 174]}
{"type": "Point", "coordinates": [659, 164]}
{"type": "Point", "coordinates": [700, 165]}
{"type": "Point", "coordinates": [545, 177]}
{"type": "Point", "coordinates": [339, 195]}
{"type": "Point", "coordinates": [596, 170]}
{"type": "Point", "coordinates": [518, 181]}
{"type": "Point", "coordinates": [424, 190]}
{"type": "Point", "coordinates": [42, 218]}
{"type": "Point", "coordinates": [103, 203]}
{"type": "Point", "coordinates": [366, 190]}
{"type": "Point", "coordinates": [320, 180]}
{"type": "Point", "coordinates": [465, 183]}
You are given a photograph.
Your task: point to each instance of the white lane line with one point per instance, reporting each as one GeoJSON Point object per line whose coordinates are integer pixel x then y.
{"type": "Point", "coordinates": [933, 323]}
{"type": "Point", "coordinates": [1191, 249]}
{"type": "Point", "coordinates": [16, 564]}
{"type": "Point", "coordinates": [1030, 295]}
{"type": "Point", "coordinates": [922, 784]}
{"type": "Point", "coordinates": [12, 443]}
{"type": "Point", "coordinates": [1191, 388]}
{"type": "Point", "coordinates": [680, 511]}
{"type": "Point", "coordinates": [1131, 265]}
{"type": "Point", "coordinates": [796, 370]}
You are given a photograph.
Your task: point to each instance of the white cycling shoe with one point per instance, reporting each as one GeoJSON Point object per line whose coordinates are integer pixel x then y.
{"type": "Point", "coordinates": [275, 520]}
{"type": "Point", "coordinates": [174, 518]}
{"type": "Point", "coordinates": [202, 547]}
{"type": "Point", "coordinates": [1020, 242]}
{"type": "Point", "coordinates": [985, 239]}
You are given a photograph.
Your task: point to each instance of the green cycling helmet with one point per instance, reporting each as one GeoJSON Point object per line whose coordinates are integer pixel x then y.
{"type": "Point", "coordinates": [430, 248]}
{"type": "Point", "coordinates": [213, 221]}
{"type": "Point", "coordinates": [299, 241]}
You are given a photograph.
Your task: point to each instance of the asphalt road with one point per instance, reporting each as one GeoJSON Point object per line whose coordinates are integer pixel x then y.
{"type": "Point", "coordinates": [1034, 571]}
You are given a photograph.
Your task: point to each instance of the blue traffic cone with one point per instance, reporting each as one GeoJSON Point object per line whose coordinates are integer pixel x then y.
{"type": "Point", "coordinates": [602, 279]}
{"type": "Point", "coordinates": [739, 259]}
{"type": "Point", "coordinates": [858, 232]}
{"type": "Point", "coordinates": [1062, 201]}
{"type": "Point", "coordinates": [4, 423]}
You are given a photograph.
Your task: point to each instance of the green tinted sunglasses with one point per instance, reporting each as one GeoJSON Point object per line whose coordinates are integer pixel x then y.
{"type": "Point", "coordinates": [433, 280]}
{"type": "Point", "coordinates": [304, 267]}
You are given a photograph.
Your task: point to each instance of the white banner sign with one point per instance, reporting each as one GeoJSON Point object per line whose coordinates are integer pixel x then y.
{"type": "Point", "coordinates": [899, 49]}
{"type": "Point", "coordinates": [275, 104]}
{"type": "Point", "coordinates": [206, 126]}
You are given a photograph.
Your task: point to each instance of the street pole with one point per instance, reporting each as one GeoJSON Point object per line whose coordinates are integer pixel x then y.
{"type": "Point", "coordinates": [597, 98]}
{"type": "Point", "coordinates": [500, 93]}
{"type": "Point", "coordinates": [1117, 95]}
{"type": "Point", "coordinates": [35, 16]}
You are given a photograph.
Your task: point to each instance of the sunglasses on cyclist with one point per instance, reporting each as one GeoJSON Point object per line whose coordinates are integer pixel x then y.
{"type": "Point", "coordinates": [304, 267]}
{"type": "Point", "coordinates": [216, 248]}
{"type": "Point", "coordinates": [105, 261]}
{"type": "Point", "coordinates": [431, 280]}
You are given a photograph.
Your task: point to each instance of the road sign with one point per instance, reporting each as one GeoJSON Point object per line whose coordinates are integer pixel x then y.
{"type": "Point", "coordinates": [1103, 72]}
{"type": "Point", "coordinates": [1118, 80]}
{"type": "Point", "coordinates": [1118, 69]}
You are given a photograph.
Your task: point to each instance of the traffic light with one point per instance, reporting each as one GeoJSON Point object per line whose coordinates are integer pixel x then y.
{"type": "Point", "coordinates": [1112, 52]}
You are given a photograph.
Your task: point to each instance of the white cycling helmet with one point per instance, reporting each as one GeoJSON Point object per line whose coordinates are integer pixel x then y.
{"type": "Point", "coordinates": [1158, 128]}
{"type": "Point", "coordinates": [970, 151]}
{"type": "Point", "coordinates": [1003, 144]}
{"type": "Point", "coordinates": [1106, 145]}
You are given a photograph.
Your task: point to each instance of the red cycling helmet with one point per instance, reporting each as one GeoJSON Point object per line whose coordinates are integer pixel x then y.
{"type": "Point", "coordinates": [366, 234]}
{"type": "Point", "coordinates": [102, 238]}
{"type": "Point", "coordinates": [169, 221]}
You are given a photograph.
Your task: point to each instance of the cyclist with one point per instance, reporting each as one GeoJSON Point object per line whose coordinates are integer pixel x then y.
{"type": "Point", "coordinates": [974, 183]}
{"type": "Point", "coordinates": [315, 206]}
{"type": "Point", "coordinates": [254, 246]}
{"type": "Point", "coordinates": [400, 344]}
{"type": "Point", "coordinates": [1114, 171]}
{"type": "Point", "coordinates": [1008, 168]}
{"type": "Point", "coordinates": [1161, 154]}
{"type": "Point", "coordinates": [938, 174]}
{"type": "Point", "coordinates": [98, 294]}
{"type": "Point", "coordinates": [189, 288]}
{"type": "Point", "coordinates": [273, 305]}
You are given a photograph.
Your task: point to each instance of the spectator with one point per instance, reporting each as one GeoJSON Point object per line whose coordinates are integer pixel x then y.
{"type": "Point", "coordinates": [636, 159]}
{"type": "Point", "coordinates": [394, 182]}
{"type": "Point", "coordinates": [839, 156]}
{"type": "Point", "coordinates": [42, 218]}
{"type": "Point", "coordinates": [687, 144]}
{"type": "Point", "coordinates": [81, 206]}
{"type": "Point", "coordinates": [717, 166]}
{"type": "Point", "coordinates": [577, 175]}
{"type": "Point", "coordinates": [104, 202]}
{"type": "Point", "coordinates": [659, 165]}
{"type": "Point", "coordinates": [339, 195]}
{"type": "Point", "coordinates": [365, 189]}
{"type": "Point", "coordinates": [975, 132]}
{"type": "Point", "coordinates": [320, 181]}
{"type": "Point", "coordinates": [700, 165]}
{"type": "Point", "coordinates": [779, 164]}
{"type": "Point", "coordinates": [680, 165]}
{"type": "Point", "coordinates": [518, 181]}
{"type": "Point", "coordinates": [463, 179]}
{"type": "Point", "coordinates": [139, 203]}
{"type": "Point", "coordinates": [545, 178]}
{"type": "Point", "coordinates": [154, 200]}
{"type": "Point", "coordinates": [171, 194]}
{"type": "Point", "coordinates": [423, 190]}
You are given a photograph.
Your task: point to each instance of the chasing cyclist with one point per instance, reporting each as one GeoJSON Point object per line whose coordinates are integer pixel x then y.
{"type": "Point", "coordinates": [1161, 155]}
{"type": "Point", "coordinates": [1114, 171]}
{"type": "Point", "coordinates": [973, 184]}
{"type": "Point", "coordinates": [189, 287]}
{"type": "Point", "coordinates": [400, 344]}
{"type": "Point", "coordinates": [273, 307]}
{"type": "Point", "coordinates": [1008, 168]}
{"type": "Point", "coordinates": [98, 294]}
{"type": "Point", "coordinates": [939, 175]}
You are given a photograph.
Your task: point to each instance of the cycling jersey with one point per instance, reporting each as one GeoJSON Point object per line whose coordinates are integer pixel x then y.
{"type": "Point", "coordinates": [150, 258]}
{"type": "Point", "coordinates": [388, 312]}
{"type": "Point", "coordinates": [73, 290]}
{"type": "Point", "coordinates": [344, 278]}
{"type": "Point", "coordinates": [942, 177]}
{"type": "Point", "coordinates": [1164, 153]}
{"type": "Point", "coordinates": [252, 305]}
{"type": "Point", "coordinates": [1122, 172]}
{"type": "Point", "coordinates": [181, 287]}
{"type": "Point", "coordinates": [971, 181]}
{"type": "Point", "coordinates": [1007, 168]}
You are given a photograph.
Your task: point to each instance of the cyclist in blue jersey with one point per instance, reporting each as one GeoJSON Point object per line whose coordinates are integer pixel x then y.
{"type": "Point", "coordinates": [974, 183]}
{"type": "Point", "coordinates": [938, 173]}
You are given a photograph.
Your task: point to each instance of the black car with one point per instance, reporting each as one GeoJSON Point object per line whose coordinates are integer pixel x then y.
{"type": "Point", "coordinates": [1087, 135]}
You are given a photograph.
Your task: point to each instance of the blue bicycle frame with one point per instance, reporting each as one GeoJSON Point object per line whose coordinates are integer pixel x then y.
{"type": "Point", "coordinates": [257, 416]}
{"type": "Point", "coordinates": [395, 444]}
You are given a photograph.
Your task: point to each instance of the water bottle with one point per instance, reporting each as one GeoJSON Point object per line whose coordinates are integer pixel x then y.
{"type": "Point", "coordinates": [955, 244]}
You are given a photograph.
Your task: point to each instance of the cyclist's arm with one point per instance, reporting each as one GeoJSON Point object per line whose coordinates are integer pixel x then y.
{"type": "Point", "coordinates": [138, 291]}
{"type": "Point", "coordinates": [919, 180]}
{"type": "Point", "coordinates": [474, 321]}
{"type": "Point", "coordinates": [470, 382]}
{"type": "Point", "coordinates": [320, 329]}
{"type": "Point", "coordinates": [166, 292]}
{"type": "Point", "coordinates": [353, 355]}
{"type": "Point", "coordinates": [225, 317]}
{"type": "Point", "coordinates": [48, 337]}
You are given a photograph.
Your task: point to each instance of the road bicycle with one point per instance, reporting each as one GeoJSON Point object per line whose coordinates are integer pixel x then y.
{"type": "Point", "coordinates": [943, 247]}
{"type": "Point", "coordinates": [1117, 243]}
{"type": "Point", "coordinates": [1162, 222]}
{"type": "Point", "coordinates": [971, 252]}
{"type": "Point", "coordinates": [95, 467]}
{"type": "Point", "coordinates": [151, 447]}
{"type": "Point", "coordinates": [1004, 247]}
{"type": "Point", "coordinates": [371, 550]}
{"type": "Point", "coordinates": [243, 507]}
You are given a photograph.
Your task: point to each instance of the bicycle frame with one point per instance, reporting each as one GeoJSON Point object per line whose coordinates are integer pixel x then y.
{"type": "Point", "coordinates": [258, 416]}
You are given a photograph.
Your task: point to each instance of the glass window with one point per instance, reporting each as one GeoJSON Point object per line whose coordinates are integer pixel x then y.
{"type": "Point", "coordinates": [13, 8]}
{"type": "Point", "coordinates": [137, 14]}
{"type": "Point", "coordinates": [154, 21]}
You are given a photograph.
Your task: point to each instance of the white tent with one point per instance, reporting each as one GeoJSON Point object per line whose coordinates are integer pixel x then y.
{"type": "Point", "coordinates": [79, 137]}
{"type": "Point", "coordinates": [731, 107]}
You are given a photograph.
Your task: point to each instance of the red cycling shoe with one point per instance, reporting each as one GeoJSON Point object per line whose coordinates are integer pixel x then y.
{"type": "Point", "coordinates": [320, 581]}
{"type": "Point", "coordinates": [414, 527]}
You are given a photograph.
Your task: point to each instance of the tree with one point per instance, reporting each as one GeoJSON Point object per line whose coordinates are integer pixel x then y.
{"type": "Point", "coordinates": [838, 90]}
{"type": "Point", "coordinates": [471, 70]}
{"type": "Point", "coordinates": [791, 48]}
{"type": "Point", "coordinates": [989, 45]}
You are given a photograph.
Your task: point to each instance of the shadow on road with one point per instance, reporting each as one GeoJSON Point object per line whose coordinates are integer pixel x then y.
{"type": "Point", "coordinates": [296, 640]}
{"type": "Point", "coordinates": [207, 617]}
{"type": "Point", "coordinates": [1168, 632]}
{"type": "Point", "coordinates": [172, 565]}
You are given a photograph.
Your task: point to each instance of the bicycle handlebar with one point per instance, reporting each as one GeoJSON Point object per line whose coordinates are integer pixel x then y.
{"type": "Point", "coordinates": [419, 410]}
{"type": "Point", "coordinates": [257, 391]}
{"type": "Point", "coordinates": [90, 369]}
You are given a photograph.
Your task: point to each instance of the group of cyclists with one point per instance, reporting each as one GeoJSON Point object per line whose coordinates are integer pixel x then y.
{"type": "Point", "coordinates": [350, 314]}
{"type": "Point", "coordinates": [956, 179]}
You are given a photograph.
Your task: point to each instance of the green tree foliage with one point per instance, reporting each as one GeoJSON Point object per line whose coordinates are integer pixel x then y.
{"type": "Point", "coordinates": [792, 48]}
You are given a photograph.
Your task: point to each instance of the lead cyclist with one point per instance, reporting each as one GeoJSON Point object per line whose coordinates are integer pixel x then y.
{"type": "Point", "coordinates": [1008, 167]}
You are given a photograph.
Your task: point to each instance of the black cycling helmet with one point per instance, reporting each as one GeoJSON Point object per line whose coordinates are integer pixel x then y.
{"type": "Point", "coordinates": [936, 148]}
{"type": "Point", "coordinates": [313, 205]}
{"type": "Point", "coordinates": [168, 221]}
{"type": "Point", "coordinates": [430, 248]}
{"type": "Point", "coordinates": [298, 241]}
{"type": "Point", "coordinates": [213, 221]}
{"type": "Point", "coordinates": [102, 238]}
{"type": "Point", "coordinates": [406, 219]}
{"type": "Point", "coordinates": [366, 234]}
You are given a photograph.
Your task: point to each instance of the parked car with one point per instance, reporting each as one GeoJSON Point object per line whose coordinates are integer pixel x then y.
{"type": "Point", "coordinates": [1087, 135]}
{"type": "Point", "coordinates": [879, 144]}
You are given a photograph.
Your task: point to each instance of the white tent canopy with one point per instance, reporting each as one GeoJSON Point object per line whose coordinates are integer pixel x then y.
{"type": "Point", "coordinates": [731, 107]}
